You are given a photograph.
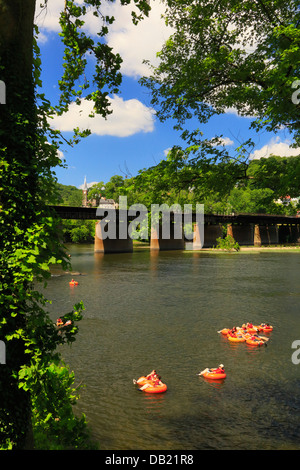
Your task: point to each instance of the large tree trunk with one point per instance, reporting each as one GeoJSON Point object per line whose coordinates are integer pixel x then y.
{"type": "Point", "coordinates": [18, 184]}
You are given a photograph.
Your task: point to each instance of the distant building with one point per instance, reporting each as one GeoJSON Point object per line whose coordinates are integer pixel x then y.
{"type": "Point", "coordinates": [104, 203]}
{"type": "Point", "coordinates": [107, 203]}
{"type": "Point", "coordinates": [286, 200]}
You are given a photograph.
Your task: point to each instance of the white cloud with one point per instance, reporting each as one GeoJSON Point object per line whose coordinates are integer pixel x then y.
{"type": "Point", "coordinates": [60, 154]}
{"type": "Point", "coordinates": [128, 118]}
{"type": "Point", "coordinates": [89, 185]}
{"type": "Point", "coordinates": [224, 141]}
{"type": "Point", "coordinates": [276, 147]}
{"type": "Point", "coordinates": [234, 111]}
{"type": "Point", "coordinates": [134, 43]}
{"type": "Point", "coordinates": [47, 18]}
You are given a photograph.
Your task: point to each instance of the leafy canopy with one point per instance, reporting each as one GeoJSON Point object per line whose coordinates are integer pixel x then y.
{"type": "Point", "coordinates": [230, 54]}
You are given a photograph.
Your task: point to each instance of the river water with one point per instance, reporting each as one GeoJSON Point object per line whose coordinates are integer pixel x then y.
{"type": "Point", "coordinates": [163, 310]}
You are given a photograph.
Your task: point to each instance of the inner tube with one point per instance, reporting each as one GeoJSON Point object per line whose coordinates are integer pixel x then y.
{"type": "Point", "coordinates": [254, 342]}
{"type": "Point", "coordinates": [141, 381]}
{"type": "Point", "coordinates": [236, 339]}
{"type": "Point", "coordinates": [151, 388]}
{"type": "Point", "coordinates": [155, 388]}
{"type": "Point", "coordinates": [267, 329]}
{"type": "Point", "coordinates": [225, 331]}
{"type": "Point", "coordinates": [213, 375]}
{"type": "Point", "coordinates": [252, 330]}
{"type": "Point", "coordinates": [73, 283]}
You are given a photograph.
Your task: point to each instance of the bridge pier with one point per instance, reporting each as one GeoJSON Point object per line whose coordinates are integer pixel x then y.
{"type": "Point", "coordinates": [243, 234]}
{"type": "Point", "coordinates": [159, 240]}
{"type": "Point", "coordinates": [104, 244]}
{"type": "Point", "coordinates": [254, 234]}
{"type": "Point", "coordinates": [257, 237]}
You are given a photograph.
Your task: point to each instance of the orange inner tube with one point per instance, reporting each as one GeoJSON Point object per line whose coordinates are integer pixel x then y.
{"type": "Point", "coordinates": [213, 376]}
{"type": "Point", "coordinates": [225, 331]}
{"type": "Point", "coordinates": [236, 339]}
{"type": "Point", "coordinates": [156, 388]}
{"type": "Point", "coordinates": [73, 283]}
{"type": "Point", "coordinates": [254, 342]}
{"type": "Point", "coordinates": [142, 380]}
{"type": "Point", "coordinates": [267, 329]}
{"type": "Point", "coordinates": [152, 388]}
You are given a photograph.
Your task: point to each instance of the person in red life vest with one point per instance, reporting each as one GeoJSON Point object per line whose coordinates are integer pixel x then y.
{"type": "Point", "coordinates": [233, 332]}
{"type": "Point", "coordinates": [154, 381]}
{"type": "Point", "coordinates": [152, 376]}
{"type": "Point", "coordinates": [219, 370]}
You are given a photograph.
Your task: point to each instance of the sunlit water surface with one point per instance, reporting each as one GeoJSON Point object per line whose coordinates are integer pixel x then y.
{"type": "Point", "coordinates": [163, 310]}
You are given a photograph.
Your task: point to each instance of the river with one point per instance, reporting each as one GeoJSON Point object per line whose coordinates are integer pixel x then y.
{"type": "Point", "coordinates": [163, 310]}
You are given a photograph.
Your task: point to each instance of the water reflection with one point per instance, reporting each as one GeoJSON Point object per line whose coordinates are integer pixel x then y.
{"type": "Point", "coordinates": [217, 384]}
{"type": "Point", "coordinates": [154, 403]}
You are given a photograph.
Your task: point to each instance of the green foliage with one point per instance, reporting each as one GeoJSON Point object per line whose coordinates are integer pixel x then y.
{"type": "Point", "coordinates": [247, 200]}
{"type": "Point", "coordinates": [68, 195]}
{"type": "Point", "coordinates": [78, 231]}
{"type": "Point", "coordinates": [223, 187]}
{"type": "Point", "coordinates": [50, 384]}
{"type": "Point", "coordinates": [96, 192]}
{"type": "Point", "coordinates": [243, 55]}
{"type": "Point", "coordinates": [227, 244]}
{"type": "Point", "coordinates": [280, 174]}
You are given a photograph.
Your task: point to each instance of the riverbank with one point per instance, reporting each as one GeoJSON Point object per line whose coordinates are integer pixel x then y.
{"type": "Point", "coordinates": [256, 249]}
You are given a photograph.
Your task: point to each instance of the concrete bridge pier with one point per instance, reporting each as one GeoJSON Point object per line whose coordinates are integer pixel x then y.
{"type": "Point", "coordinates": [257, 237]}
{"type": "Point", "coordinates": [198, 236]}
{"type": "Point", "coordinates": [254, 234]}
{"type": "Point", "coordinates": [170, 239]}
{"type": "Point", "coordinates": [105, 244]}
{"type": "Point", "coordinates": [243, 234]}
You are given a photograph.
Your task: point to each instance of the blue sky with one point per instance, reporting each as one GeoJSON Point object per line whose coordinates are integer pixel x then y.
{"type": "Point", "coordinates": [132, 138]}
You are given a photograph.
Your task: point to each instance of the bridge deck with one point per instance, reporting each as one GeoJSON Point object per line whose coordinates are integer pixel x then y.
{"type": "Point", "coordinates": [90, 213]}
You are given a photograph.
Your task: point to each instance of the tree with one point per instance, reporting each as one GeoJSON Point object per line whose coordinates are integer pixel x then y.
{"type": "Point", "coordinates": [68, 195]}
{"type": "Point", "coordinates": [29, 243]}
{"type": "Point", "coordinates": [229, 53]}
{"type": "Point", "coordinates": [113, 187]}
{"type": "Point", "coordinates": [280, 174]}
{"type": "Point", "coordinates": [96, 192]}
{"type": "Point", "coordinates": [253, 201]}
{"type": "Point", "coordinates": [184, 178]}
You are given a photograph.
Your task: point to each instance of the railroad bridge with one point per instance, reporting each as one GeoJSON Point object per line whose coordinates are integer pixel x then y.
{"type": "Point", "coordinates": [247, 229]}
